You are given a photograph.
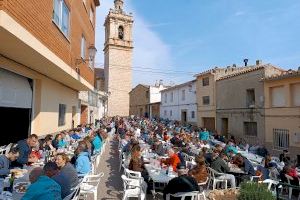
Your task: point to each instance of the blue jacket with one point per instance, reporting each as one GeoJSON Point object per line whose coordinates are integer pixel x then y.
{"type": "Point", "coordinates": [43, 189]}
{"type": "Point", "coordinates": [24, 150]}
{"type": "Point", "coordinates": [83, 165]}
{"type": "Point", "coordinates": [4, 165]}
{"type": "Point", "coordinates": [62, 144]}
{"type": "Point", "coordinates": [97, 143]}
{"type": "Point", "coordinates": [204, 135]}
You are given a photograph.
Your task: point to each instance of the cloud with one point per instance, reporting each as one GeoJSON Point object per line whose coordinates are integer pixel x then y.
{"type": "Point", "coordinates": [150, 51]}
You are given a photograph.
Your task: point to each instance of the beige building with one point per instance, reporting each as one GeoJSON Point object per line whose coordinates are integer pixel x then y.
{"type": "Point", "coordinates": [206, 95]}
{"type": "Point", "coordinates": [118, 59]}
{"type": "Point", "coordinates": [240, 103]}
{"type": "Point", "coordinates": [145, 100]}
{"type": "Point", "coordinates": [139, 100]}
{"type": "Point", "coordinates": [46, 58]}
{"type": "Point", "coordinates": [282, 112]}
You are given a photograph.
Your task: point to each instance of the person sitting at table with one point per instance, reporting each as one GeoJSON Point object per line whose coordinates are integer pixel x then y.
{"type": "Point", "coordinates": [74, 134]}
{"type": "Point", "coordinates": [175, 140]}
{"type": "Point", "coordinates": [230, 147]}
{"type": "Point", "coordinates": [204, 135]}
{"type": "Point", "coordinates": [288, 174]}
{"type": "Point", "coordinates": [67, 177]}
{"type": "Point", "coordinates": [199, 172]}
{"type": "Point", "coordinates": [182, 183]}
{"type": "Point", "coordinates": [5, 161]}
{"type": "Point", "coordinates": [166, 136]}
{"type": "Point", "coordinates": [82, 164]}
{"type": "Point", "coordinates": [173, 159]}
{"type": "Point", "coordinates": [64, 140]}
{"type": "Point", "coordinates": [262, 151]}
{"type": "Point", "coordinates": [47, 144]}
{"type": "Point", "coordinates": [25, 146]}
{"type": "Point", "coordinates": [283, 156]}
{"type": "Point", "coordinates": [136, 163]}
{"type": "Point", "coordinates": [57, 141]}
{"type": "Point", "coordinates": [220, 166]}
{"type": "Point", "coordinates": [97, 143]}
{"type": "Point", "coordinates": [44, 188]}
{"type": "Point", "coordinates": [245, 165]}
{"type": "Point", "coordinates": [264, 170]}
{"type": "Point", "coordinates": [35, 174]}
{"type": "Point", "coordinates": [159, 148]}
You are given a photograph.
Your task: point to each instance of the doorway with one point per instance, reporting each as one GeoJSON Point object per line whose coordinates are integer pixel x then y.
{"type": "Point", "coordinates": [225, 127]}
{"type": "Point", "coordinates": [183, 116]}
{"type": "Point", "coordinates": [209, 123]}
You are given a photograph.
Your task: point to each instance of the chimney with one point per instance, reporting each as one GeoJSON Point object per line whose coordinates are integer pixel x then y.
{"type": "Point", "coordinates": [234, 65]}
{"type": "Point", "coordinates": [246, 62]}
{"type": "Point", "coordinates": [258, 62]}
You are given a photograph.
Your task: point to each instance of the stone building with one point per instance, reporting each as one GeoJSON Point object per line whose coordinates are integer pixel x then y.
{"type": "Point", "coordinates": [179, 103]}
{"type": "Point", "coordinates": [240, 103]}
{"type": "Point", "coordinates": [145, 100]}
{"type": "Point", "coordinates": [206, 94]}
{"type": "Point", "coordinates": [282, 112]}
{"type": "Point", "coordinates": [46, 58]}
{"type": "Point", "coordinates": [118, 59]}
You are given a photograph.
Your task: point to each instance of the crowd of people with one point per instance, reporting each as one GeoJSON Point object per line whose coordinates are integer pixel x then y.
{"type": "Point", "coordinates": [56, 163]}
{"type": "Point", "coordinates": [176, 142]}
{"type": "Point", "coordinates": [170, 141]}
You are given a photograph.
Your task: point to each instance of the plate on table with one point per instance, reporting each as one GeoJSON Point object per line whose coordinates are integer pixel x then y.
{"type": "Point", "coordinates": [21, 187]}
{"type": "Point", "coordinates": [19, 172]}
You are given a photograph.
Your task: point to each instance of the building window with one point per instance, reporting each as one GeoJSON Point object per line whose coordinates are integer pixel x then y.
{"type": "Point", "coordinates": [296, 94]}
{"type": "Point", "coordinates": [281, 139]}
{"type": "Point", "coordinates": [205, 100]}
{"type": "Point", "coordinates": [92, 15]}
{"type": "Point", "coordinates": [171, 113]}
{"type": "Point", "coordinates": [250, 128]}
{"type": "Point", "coordinates": [278, 97]}
{"type": "Point", "coordinates": [61, 16]}
{"type": "Point", "coordinates": [171, 97]}
{"type": "Point", "coordinates": [165, 113]}
{"type": "Point", "coordinates": [62, 114]}
{"type": "Point", "coordinates": [166, 97]}
{"type": "Point", "coordinates": [147, 94]}
{"type": "Point", "coordinates": [205, 81]}
{"type": "Point", "coordinates": [83, 43]}
{"type": "Point", "coordinates": [250, 98]}
{"type": "Point", "coordinates": [193, 114]}
{"type": "Point", "coordinates": [183, 95]}
{"type": "Point", "coordinates": [121, 32]}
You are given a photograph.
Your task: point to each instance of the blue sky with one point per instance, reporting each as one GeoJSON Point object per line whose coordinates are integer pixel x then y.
{"type": "Point", "coordinates": [195, 35]}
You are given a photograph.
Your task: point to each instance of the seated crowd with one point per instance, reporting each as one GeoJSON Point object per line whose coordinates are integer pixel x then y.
{"type": "Point", "coordinates": [66, 158]}
{"type": "Point", "coordinates": [177, 143]}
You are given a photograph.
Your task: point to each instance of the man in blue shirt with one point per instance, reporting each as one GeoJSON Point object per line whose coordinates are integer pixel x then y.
{"type": "Point", "coordinates": [44, 188]}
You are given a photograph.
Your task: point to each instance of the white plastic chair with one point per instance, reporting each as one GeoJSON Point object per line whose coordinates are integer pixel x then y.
{"type": "Point", "coordinates": [200, 185]}
{"type": "Point", "coordinates": [271, 185]}
{"type": "Point", "coordinates": [289, 178]}
{"type": "Point", "coordinates": [133, 190]}
{"type": "Point", "coordinates": [213, 177]}
{"type": "Point", "coordinates": [74, 194]}
{"type": "Point", "coordinates": [90, 185]}
{"type": "Point", "coordinates": [257, 178]}
{"type": "Point", "coordinates": [183, 195]}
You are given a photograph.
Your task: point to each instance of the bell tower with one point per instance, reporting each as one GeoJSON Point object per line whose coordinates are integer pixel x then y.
{"type": "Point", "coordinates": [118, 49]}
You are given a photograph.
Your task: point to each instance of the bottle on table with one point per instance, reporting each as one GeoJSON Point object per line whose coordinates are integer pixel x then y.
{"type": "Point", "coordinates": [11, 181]}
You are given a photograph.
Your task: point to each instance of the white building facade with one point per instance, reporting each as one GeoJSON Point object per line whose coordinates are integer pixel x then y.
{"type": "Point", "coordinates": [179, 103]}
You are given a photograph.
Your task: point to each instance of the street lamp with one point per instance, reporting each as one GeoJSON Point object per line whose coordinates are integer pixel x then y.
{"type": "Point", "coordinates": [92, 53]}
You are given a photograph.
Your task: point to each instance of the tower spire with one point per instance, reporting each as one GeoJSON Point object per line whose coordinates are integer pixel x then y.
{"type": "Point", "coordinates": [119, 5]}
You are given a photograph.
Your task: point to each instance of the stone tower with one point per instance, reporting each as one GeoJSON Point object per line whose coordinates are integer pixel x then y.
{"type": "Point", "coordinates": [118, 59]}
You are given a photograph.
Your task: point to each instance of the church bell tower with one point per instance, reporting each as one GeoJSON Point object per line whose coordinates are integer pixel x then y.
{"type": "Point", "coordinates": [118, 59]}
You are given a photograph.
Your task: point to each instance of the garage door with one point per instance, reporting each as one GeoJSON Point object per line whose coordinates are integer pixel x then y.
{"type": "Point", "coordinates": [15, 106]}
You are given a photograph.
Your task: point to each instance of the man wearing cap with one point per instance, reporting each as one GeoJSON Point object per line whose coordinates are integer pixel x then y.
{"type": "Point", "coordinates": [182, 183]}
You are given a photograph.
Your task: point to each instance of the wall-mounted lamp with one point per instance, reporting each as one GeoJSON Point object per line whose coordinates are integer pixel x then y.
{"type": "Point", "coordinates": [92, 53]}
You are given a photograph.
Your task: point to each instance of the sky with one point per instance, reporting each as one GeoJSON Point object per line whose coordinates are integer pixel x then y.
{"type": "Point", "coordinates": [175, 39]}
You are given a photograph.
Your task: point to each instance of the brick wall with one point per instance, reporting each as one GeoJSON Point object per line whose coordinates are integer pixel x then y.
{"type": "Point", "coordinates": [36, 17]}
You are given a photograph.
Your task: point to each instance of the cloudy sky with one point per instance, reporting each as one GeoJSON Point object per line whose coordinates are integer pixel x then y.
{"type": "Point", "coordinates": [174, 39]}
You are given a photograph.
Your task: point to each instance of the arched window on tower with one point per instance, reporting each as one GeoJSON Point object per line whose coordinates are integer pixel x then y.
{"type": "Point", "coordinates": [121, 32]}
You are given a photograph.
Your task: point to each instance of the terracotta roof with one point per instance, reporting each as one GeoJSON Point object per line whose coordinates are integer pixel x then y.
{"type": "Point", "coordinates": [177, 86]}
{"type": "Point", "coordinates": [283, 75]}
{"type": "Point", "coordinates": [210, 71]}
{"type": "Point", "coordinates": [249, 69]}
